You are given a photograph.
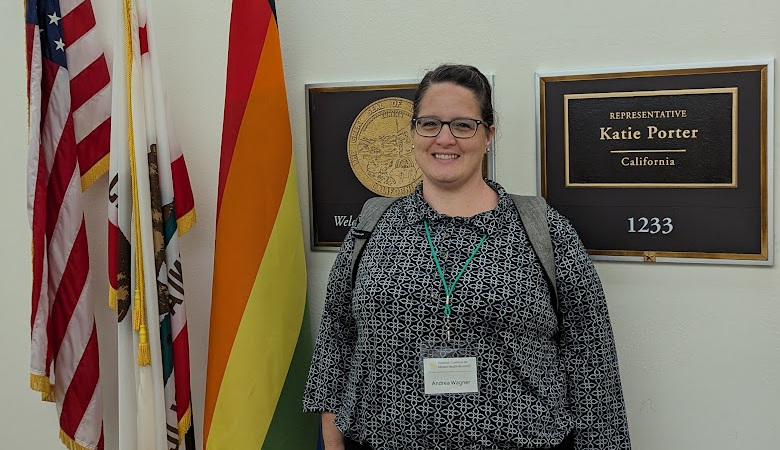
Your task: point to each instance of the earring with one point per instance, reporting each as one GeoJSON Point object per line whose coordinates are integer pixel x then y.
{"type": "Point", "coordinates": [487, 150]}
{"type": "Point", "coordinates": [412, 146]}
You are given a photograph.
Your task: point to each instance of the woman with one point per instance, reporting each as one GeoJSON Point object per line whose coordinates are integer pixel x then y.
{"type": "Point", "coordinates": [448, 338]}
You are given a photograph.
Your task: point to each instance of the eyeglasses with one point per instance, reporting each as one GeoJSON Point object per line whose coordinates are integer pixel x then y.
{"type": "Point", "coordinates": [460, 128]}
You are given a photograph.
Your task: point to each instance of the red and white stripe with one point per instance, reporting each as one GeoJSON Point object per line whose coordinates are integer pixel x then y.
{"type": "Point", "coordinates": [90, 88]}
{"type": "Point", "coordinates": [69, 124]}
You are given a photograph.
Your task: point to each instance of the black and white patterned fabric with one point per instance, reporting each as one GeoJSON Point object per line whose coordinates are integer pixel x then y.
{"type": "Point", "coordinates": [537, 383]}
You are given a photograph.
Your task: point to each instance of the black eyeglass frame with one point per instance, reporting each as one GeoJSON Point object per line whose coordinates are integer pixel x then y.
{"type": "Point", "coordinates": [415, 120]}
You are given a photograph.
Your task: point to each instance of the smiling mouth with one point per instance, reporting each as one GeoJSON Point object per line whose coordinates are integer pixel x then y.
{"type": "Point", "coordinates": [440, 156]}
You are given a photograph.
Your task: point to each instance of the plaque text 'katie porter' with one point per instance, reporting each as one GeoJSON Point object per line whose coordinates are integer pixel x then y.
{"type": "Point", "coordinates": [673, 138]}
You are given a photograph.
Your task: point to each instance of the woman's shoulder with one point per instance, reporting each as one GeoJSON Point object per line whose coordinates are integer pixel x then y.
{"type": "Point", "coordinates": [557, 222]}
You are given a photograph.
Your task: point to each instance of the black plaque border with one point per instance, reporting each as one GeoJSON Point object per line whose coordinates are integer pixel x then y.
{"type": "Point", "coordinates": [318, 174]}
{"type": "Point", "coordinates": [764, 255]}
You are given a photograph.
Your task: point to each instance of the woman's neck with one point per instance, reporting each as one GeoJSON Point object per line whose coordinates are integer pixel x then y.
{"type": "Point", "coordinates": [467, 201]}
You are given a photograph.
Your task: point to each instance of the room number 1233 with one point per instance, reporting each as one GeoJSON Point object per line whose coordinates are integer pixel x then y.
{"type": "Point", "coordinates": [652, 225]}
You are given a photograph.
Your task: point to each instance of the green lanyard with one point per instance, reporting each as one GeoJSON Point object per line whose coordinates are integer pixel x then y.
{"type": "Point", "coordinates": [448, 289]}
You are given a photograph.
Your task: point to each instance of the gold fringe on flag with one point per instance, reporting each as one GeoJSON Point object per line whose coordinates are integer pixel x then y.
{"type": "Point", "coordinates": [50, 396]}
{"type": "Point", "coordinates": [98, 170]}
{"type": "Point", "coordinates": [40, 383]}
{"type": "Point", "coordinates": [113, 299]}
{"type": "Point", "coordinates": [186, 222]}
{"type": "Point", "coordinates": [185, 423]}
{"type": "Point", "coordinates": [70, 443]}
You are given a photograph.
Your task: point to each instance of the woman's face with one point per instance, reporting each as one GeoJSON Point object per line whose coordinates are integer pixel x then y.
{"type": "Point", "coordinates": [446, 161]}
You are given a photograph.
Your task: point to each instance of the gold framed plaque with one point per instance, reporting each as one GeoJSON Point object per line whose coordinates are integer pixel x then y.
{"type": "Point", "coordinates": [360, 146]}
{"type": "Point", "coordinates": [663, 163]}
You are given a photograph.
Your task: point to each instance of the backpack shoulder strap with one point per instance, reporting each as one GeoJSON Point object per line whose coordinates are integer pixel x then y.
{"type": "Point", "coordinates": [533, 214]}
{"type": "Point", "coordinates": [532, 211]}
{"type": "Point", "coordinates": [372, 210]}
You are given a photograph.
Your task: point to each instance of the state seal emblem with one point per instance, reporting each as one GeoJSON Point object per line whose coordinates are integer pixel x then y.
{"type": "Point", "coordinates": [379, 148]}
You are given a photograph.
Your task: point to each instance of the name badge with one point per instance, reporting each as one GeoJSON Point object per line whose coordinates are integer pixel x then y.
{"type": "Point", "coordinates": [450, 375]}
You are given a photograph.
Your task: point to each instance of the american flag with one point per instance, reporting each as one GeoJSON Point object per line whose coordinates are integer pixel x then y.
{"type": "Point", "coordinates": [69, 123]}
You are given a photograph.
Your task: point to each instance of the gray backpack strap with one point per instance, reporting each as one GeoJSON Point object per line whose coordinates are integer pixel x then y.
{"type": "Point", "coordinates": [533, 214]}
{"type": "Point", "coordinates": [373, 209]}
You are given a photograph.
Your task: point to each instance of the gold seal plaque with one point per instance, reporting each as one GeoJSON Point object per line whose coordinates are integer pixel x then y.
{"type": "Point", "coordinates": [379, 148]}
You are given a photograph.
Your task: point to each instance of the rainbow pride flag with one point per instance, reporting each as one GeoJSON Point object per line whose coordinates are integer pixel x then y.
{"type": "Point", "coordinates": [259, 342]}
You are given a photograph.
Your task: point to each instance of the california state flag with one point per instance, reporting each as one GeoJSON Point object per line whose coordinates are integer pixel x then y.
{"type": "Point", "coordinates": [147, 171]}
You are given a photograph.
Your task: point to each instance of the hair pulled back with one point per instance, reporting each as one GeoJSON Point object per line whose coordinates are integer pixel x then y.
{"type": "Point", "coordinates": [462, 75]}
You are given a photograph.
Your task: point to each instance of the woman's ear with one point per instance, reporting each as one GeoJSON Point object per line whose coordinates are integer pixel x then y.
{"type": "Point", "coordinates": [491, 135]}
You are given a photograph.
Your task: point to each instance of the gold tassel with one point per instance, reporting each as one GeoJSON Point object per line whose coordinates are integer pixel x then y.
{"type": "Point", "coordinates": [113, 299]}
{"type": "Point", "coordinates": [137, 310]}
{"type": "Point", "coordinates": [144, 352]}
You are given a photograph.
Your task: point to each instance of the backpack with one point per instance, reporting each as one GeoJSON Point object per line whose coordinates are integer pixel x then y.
{"type": "Point", "coordinates": [533, 215]}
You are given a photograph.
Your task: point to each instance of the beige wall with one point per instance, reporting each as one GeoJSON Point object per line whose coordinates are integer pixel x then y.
{"type": "Point", "coordinates": [699, 345]}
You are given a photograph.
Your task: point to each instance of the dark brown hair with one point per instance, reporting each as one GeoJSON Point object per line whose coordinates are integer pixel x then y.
{"type": "Point", "coordinates": [466, 76]}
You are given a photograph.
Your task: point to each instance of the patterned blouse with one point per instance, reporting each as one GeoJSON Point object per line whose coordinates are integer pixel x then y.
{"type": "Point", "coordinates": [538, 380]}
